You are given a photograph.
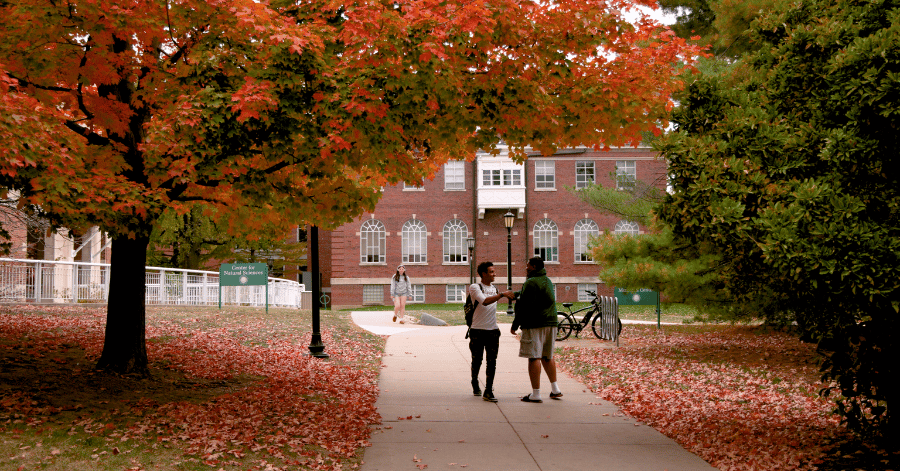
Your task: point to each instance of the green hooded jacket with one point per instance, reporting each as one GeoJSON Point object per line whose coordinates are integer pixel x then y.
{"type": "Point", "coordinates": [536, 303]}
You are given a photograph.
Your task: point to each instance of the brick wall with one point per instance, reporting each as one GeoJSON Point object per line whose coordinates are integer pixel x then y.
{"type": "Point", "coordinates": [435, 206]}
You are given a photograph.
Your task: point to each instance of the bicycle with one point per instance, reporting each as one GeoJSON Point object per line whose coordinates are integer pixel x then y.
{"type": "Point", "coordinates": [594, 317]}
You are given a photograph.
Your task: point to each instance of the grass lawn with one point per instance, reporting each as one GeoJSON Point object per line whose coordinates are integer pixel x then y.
{"type": "Point", "coordinates": [231, 389]}
{"type": "Point", "coordinates": [453, 314]}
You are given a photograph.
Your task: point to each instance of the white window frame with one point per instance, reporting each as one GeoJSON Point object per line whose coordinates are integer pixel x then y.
{"type": "Point", "coordinates": [373, 294]}
{"type": "Point", "coordinates": [455, 246]}
{"type": "Point", "coordinates": [417, 294]}
{"type": "Point", "coordinates": [627, 228]}
{"type": "Point", "coordinates": [455, 175]}
{"type": "Point", "coordinates": [626, 174]}
{"type": "Point", "coordinates": [491, 177]}
{"type": "Point", "coordinates": [414, 244]}
{"type": "Point", "coordinates": [546, 240]}
{"type": "Point", "coordinates": [456, 293]}
{"type": "Point", "coordinates": [512, 177]}
{"type": "Point", "coordinates": [582, 294]}
{"type": "Point", "coordinates": [585, 173]}
{"type": "Point", "coordinates": [372, 242]}
{"type": "Point", "coordinates": [584, 229]}
{"type": "Point", "coordinates": [544, 174]}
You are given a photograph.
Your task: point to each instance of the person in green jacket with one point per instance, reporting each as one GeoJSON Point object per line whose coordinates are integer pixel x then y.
{"type": "Point", "coordinates": [536, 315]}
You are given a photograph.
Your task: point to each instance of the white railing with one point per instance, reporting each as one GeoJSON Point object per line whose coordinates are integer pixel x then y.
{"type": "Point", "coordinates": [48, 281]}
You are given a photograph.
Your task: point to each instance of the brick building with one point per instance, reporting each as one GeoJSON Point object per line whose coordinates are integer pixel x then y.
{"type": "Point", "coordinates": [425, 227]}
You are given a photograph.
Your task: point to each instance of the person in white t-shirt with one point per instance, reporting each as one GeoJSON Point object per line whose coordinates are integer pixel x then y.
{"type": "Point", "coordinates": [484, 335]}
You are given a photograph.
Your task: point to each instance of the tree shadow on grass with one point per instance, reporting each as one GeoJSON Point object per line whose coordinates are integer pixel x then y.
{"type": "Point", "coordinates": [40, 383]}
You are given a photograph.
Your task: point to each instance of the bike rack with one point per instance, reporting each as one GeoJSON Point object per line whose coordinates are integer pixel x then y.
{"type": "Point", "coordinates": [609, 317]}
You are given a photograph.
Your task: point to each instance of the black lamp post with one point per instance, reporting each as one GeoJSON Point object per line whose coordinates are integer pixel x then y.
{"type": "Point", "coordinates": [316, 347]}
{"type": "Point", "coordinates": [508, 219]}
{"type": "Point", "coordinates": [471, 243]}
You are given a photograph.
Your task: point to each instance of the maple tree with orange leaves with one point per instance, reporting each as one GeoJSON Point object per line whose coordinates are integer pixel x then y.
{"type": "Point", "coordinates": [279, 113]}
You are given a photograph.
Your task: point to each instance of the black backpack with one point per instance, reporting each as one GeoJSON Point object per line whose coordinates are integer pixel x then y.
{"type": "Point", "coordinates": [469, 309]}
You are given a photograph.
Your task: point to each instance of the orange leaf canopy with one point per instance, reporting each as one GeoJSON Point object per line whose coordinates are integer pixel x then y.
{"type": "Point", "coordinates": [289, 112]}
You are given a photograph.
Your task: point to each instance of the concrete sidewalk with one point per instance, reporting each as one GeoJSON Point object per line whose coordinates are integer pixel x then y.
{"type": "Point", "coordinates": [430, 416]}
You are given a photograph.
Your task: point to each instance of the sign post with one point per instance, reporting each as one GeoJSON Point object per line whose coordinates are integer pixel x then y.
{"type": "Point", "coordinates": [641, 297]}
{"type": "Point", "coordinates": [244, 274]}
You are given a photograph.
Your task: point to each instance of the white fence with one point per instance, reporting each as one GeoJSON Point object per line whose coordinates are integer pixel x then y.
{"type": "Point", "coordinates": [48, 281]}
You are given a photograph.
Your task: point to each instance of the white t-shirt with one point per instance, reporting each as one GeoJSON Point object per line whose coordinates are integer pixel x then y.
{"type": "Point", "coordinates": [485, 317]}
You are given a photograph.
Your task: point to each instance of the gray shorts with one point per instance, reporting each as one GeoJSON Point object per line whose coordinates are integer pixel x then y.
{"type": "Point", "coordinates": [538, 343]}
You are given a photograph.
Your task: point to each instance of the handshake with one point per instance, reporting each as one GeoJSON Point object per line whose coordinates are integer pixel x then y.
{"type": "Point", "coordinates": [509, 295]}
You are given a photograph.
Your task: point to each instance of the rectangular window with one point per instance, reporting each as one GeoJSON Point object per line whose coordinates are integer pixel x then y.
{"type": "Point", "coordinates": [418, 294]}
{"type": "Point", "coordinates": [490, 177]}
{"type": "Point", "coordinates": [455, 175]}
{"type": "Point", "coordinates": [512, 177]}
{"type": "Point", "coordinates": [545, 174]}
{"type": "Point", "coordinates": [456, 293]}
{"type": "Point", "coordinates": [373, 294]}
{"type": "Point", "coordinates": [626, 174]}
{"type": "Point", "coordinates": [584, 173]}
{"type": "Point", "coordinates": [583, 288]}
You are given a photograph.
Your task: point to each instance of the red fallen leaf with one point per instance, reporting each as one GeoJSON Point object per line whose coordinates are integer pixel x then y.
{"type": "Point", "coordinates": [419, 416]}
{"type": "Point", "coordinates": [115, 450]}
{"type": "Point", "coordinates": [409, 417]}
{"type": "Point", "coordinates": [545, 436]}
{"type": "Point", "coordinates": [462, 441]}
{"type": "Point", "coordinates": [416, 459]}
{"type": "Point", "coordinates": [421, 466]}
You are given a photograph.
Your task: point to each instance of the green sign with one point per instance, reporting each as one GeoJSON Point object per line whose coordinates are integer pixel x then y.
{"type": "Point", "coordinates": [244, 274]}
{"type": "Point", "coordinates": [641, 297]}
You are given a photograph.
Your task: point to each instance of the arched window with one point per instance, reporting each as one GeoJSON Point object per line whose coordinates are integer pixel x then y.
{"type": "Point", "coordinates": [546, 240]}
{"type": "Point", "coordinates": [455, 247]}
{"type": "Point", "coordinates": [414, 244]}
{"type": "Point", "coordinates": [626, 227]}
{"type": "Point", "coordinates": [371, 242]}
{"type": "Point", "coordinates": [584, 230]}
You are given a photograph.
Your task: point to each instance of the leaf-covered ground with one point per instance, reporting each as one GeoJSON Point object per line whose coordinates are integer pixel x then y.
{"type": "Point", "coordinates": [232, 389]}
{"type": "Point", "coordinates": [741, 398]}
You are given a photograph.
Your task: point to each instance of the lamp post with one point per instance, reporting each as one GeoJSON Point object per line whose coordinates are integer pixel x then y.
{"type": "Point", "coordinates": [471, 243]}
{"type": "Point", "coordinates": [508, 219]}
{"type": "Point", "coordinates": [316, 347]}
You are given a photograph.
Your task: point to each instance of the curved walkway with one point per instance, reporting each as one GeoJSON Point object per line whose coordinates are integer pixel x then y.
{"type": "Point", "coordinates": [430, 417]}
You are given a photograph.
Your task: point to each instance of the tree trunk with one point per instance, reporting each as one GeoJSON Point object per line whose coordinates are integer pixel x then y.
{"type": "Point", "coordinates": [124, 347]}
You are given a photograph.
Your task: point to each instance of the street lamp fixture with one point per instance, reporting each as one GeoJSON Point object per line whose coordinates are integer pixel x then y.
{"type": "Point", "coordinates": [508, 219]}
{"type": "Point", "coordinates": [471, 244]}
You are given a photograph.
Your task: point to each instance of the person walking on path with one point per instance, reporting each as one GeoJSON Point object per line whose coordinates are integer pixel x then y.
{"type": "Point", "coordinates": [484, 335]}
{"type": "Point", "coordinates": [536, 315]}
{"type": "Point", "coordinates": [401, 288]}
